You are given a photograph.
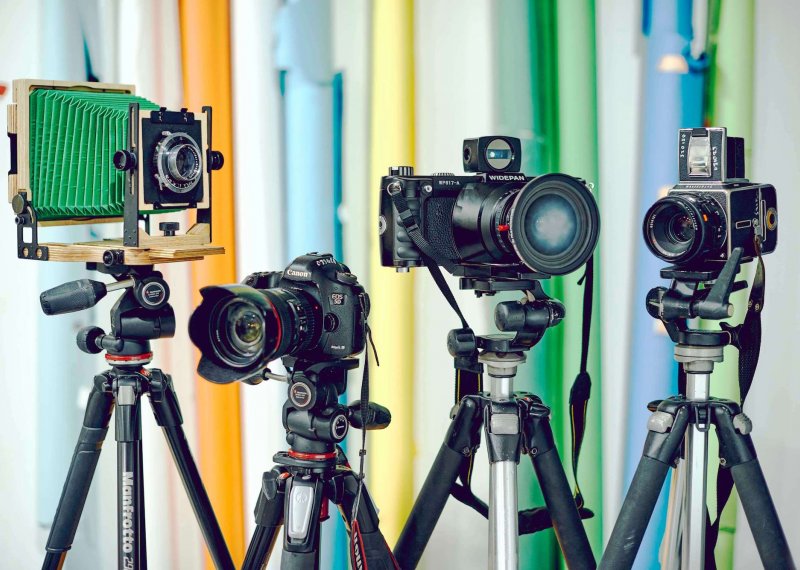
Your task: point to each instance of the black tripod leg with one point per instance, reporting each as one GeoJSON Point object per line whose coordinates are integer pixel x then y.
{"type": "Point", "coordinates": [168, 416]}
{"type": "Point", "coordinates": [130, 490]}
{"type": "Point", "coordinates": [737, 451]}
{"type": "Point", "coordinates": [666, 432]}
{"type": "Point", "coordinates": [372, 547]}
{"type": "Point", "coordinates": [79, 477]}
{"type": "Point", "coordinates": [269, 518]}
{"type": "Point", "coordinates": [463, 434]}
{"type": "Point", "coordinates": [558, 497]}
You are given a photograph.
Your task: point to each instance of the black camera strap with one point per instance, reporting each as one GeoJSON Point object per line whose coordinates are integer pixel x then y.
{"type": "Point", "coordinates": [582, 386]}
{"type": "Point", "coordinates": [357, 556]}
{"type": "Point", "coordinates": [468, 371]}
{"type": "Point", "coordinates": [746, 337]}
{"type": "Point", "coordinates": [468, 382]}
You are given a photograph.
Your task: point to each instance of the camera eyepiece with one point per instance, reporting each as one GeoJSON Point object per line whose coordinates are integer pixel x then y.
{"type": "Point", "coordinates": [680, 229]}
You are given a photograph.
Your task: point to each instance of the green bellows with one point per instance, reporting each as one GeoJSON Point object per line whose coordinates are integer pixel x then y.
{"type": "Point", "coordinates": [73, 138]}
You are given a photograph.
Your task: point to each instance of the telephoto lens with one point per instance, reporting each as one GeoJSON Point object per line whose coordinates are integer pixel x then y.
{"type": "Point", "coordinates": [315, 310]}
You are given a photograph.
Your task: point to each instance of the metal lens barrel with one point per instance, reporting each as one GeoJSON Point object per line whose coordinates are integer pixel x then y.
{"type": "Point", "coordinates": [553, 224]}
{"type": "Point", "coordinates": [239, 328]}
{"type": "Point", "coordinates": [178, 162]}
{"type": "Point", "coordinates": [550, 224]}
{"type": "Point", "coordinates": [679, 229]}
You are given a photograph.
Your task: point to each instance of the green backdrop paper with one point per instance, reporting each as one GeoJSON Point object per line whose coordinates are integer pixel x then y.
{"type": "Point", "coordinates": [577, 100]}
{"type": "Point", "coordinates": [730, 104]}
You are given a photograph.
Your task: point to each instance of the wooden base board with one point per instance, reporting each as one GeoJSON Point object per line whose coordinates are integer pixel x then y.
{"type": "Point", "coordinates": [93, 252]}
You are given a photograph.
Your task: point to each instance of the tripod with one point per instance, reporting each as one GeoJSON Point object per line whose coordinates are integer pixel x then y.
{"type": "Point", "coordinates": [141, 314]}
{"type": "Point", "coordinates": [514, 422]}
{"type": "Point", "coordinates": [678, 429]}
{"type": "Point", "coordinates": [315, 472]}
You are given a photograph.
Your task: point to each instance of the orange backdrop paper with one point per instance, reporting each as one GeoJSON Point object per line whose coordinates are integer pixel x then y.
{"type": "Point", "coordinates": [205, 44]}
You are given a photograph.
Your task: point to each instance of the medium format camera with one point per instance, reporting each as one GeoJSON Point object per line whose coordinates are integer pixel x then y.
{"type": "Point", "coordinates": [314, 310]}
{"type": "Point", "coordinates": [714, 208]}
{"type": "Point", "coordinates": [496, 221]}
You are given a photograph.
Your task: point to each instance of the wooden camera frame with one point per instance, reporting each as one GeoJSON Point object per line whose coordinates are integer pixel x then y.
{"type": "Point", "coordinates": [137, 246]}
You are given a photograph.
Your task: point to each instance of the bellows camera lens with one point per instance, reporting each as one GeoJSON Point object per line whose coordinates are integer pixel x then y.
{"type": "Point", "coordinates": [680, 229]}
{"type": "Point", "coordinates": [178, 162]}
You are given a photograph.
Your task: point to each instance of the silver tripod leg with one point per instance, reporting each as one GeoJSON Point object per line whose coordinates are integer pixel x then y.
{"type": "Point", "coordinates": [503, 508]}
{"type": "Point", "coordinates": [698, 362]}
{"type": "Point", "coordinates": [693, 542]}
{"type": "Point", "coordinates": [670, 553]}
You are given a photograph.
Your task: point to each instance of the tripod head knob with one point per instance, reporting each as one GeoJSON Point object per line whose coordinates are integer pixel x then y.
{"type": "Point", "coordinates": [73, 296]}
{"type": "Point", "coordinates": [378, 417]}
{"type": "Point", "coordinates": [87, 339]}
{"type": "Point", "coordinates": [537, 315]}
{"type": "Point", "coordinates": [461, 342]}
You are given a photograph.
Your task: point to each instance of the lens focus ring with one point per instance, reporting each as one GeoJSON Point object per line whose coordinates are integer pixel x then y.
{"type": "Point", "coordinates": [682, 228]}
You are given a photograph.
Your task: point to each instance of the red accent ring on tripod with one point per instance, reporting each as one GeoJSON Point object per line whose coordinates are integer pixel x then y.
{"type": "Point", "coordinates": [312, 456]}
{"type": "Point", "coordinates": [145, 356]}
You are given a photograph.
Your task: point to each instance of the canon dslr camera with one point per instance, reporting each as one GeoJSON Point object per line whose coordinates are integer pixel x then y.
{"type": "Point", "coordinates": [714, 208]}
{"type": "Point", "coordinates": [314, 310]}
{"type": "Point", "coordinates": [495, 222]}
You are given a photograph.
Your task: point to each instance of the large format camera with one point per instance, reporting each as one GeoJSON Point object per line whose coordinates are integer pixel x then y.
{"type": "Point", "coordinates": [496, 222]}
{"type": "Point", "coordinates": [714, 208]}
{"type": "Point", "coordinates": [314, 310]}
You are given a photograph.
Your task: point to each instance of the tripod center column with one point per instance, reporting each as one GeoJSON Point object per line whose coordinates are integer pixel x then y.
{"type": "Point", "coordinates": [503, 441]}
{"type": "Point", "coordinates": [698, 362]}
{"type": "Point", "coordinates": [502, 368]}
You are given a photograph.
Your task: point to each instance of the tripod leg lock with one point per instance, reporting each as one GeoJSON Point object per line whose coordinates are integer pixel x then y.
{"type": "Point", "coordinates": [536, 440]}
{"type": "Point", "coordinates": [503, 433]}
{"type": "Point", "coordinates": [665, 436]}
{"type": "Point", "coordinates": [163, 399]}
{"type": "Point", "coordinates": [270, 503]}
{"type": "Point", "coordinates": [733, 430]}
{"type": "Point", "coordinates": [660, 422]}
{"type": "Point", "coordinates": [464, 434]}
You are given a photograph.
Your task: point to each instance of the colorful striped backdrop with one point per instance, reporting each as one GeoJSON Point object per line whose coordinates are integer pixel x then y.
{"type": "Point", "coordinates": [313, 101]}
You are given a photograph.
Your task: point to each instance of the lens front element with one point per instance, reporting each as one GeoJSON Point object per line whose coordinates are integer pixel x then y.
{"type": "Point", "coordinates": [238, 329]}
{"type": "Point", "coordinates": [245, 328]}
{"type": "Point", "coordinates": [551, 224]}
{"type": "Point", "coordinates": [554, 224]}
{"type": "Point", "coordinates": [183, 162]}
